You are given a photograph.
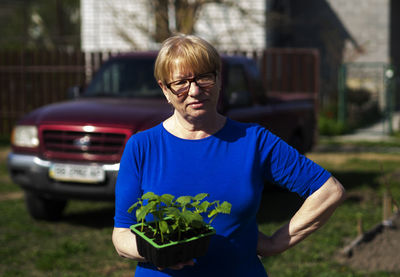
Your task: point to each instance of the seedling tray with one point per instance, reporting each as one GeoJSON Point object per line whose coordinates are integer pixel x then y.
{"type": "Point", "coordinates": [173, 252]}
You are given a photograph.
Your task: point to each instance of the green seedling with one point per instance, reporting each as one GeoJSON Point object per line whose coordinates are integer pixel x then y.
{"type": "Point", "coordinates": [177, 215]}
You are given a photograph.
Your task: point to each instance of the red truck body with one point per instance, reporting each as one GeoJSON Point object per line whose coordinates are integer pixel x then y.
{"type": "Point", "coordinates": [80, 141]}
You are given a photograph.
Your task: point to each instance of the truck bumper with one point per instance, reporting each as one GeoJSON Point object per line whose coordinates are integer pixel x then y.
{"type": "Point", "coordinates": [32, 173]}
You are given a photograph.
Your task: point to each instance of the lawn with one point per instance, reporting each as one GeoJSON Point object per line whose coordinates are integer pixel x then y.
{"type": "Point", "coordinates": [80, 244]}
{"type": "Point", "coordinates": [364, 176]}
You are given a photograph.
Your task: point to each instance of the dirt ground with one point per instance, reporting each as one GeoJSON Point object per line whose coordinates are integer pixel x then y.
{"type": "Point", "coordinates": [382, 253]}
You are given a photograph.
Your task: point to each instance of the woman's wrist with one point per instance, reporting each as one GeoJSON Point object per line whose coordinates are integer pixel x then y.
{"type": "Point", "coordinates": [272, 245]}
{"type": "Point", "coordinates": [264, 245]}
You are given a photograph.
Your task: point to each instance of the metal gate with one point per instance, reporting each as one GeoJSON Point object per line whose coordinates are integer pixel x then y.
{"type": "Point", "coordinates": [366, 95]}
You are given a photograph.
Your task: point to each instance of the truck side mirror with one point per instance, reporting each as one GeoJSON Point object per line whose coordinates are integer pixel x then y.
{"type": "Point", "coordinates": [74, 92]}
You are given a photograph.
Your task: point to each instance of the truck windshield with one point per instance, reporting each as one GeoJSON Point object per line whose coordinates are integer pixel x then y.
{"type": "Point", "coordinates": [128, 77]}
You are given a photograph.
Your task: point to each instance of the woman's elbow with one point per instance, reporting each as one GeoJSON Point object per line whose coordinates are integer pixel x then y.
{"type": "Point", "coordinates": [336, 191]}
{"type": "Point", "coordinates": [116, 242]}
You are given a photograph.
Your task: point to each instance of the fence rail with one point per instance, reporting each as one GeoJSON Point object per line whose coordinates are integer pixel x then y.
{"type": "Point", "coordinates": [290, 70]}
{"type": "Point", "coordinates": [30, 79]}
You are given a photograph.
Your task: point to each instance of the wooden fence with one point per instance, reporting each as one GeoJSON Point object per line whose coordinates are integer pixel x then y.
{"type": "Point", "coordinates": [31, 79]}
{"type": "Point", "coordinates": [293, 71]}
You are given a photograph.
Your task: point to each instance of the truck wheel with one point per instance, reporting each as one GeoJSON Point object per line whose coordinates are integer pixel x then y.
{"type": "Point", "coordinates": [42, 208]}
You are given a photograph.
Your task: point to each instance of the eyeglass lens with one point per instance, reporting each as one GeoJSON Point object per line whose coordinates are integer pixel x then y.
{"type": "Point", "coordinates": [183, 86]}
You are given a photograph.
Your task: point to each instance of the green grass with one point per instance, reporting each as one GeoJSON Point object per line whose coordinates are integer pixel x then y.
{"type": "Point", "coordinates": [4, 140]}
{"type": "Point", "coordinates": [80, 244]}
{"type": "Point", "coordinates": [391, 142]}
{"type": "Point", "coordinates": [6, 184]}
{"type": "Point", "coordinates": [364, 178]}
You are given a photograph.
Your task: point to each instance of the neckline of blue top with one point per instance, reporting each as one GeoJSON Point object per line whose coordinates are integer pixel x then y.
{"type": "Point", "coordinates": [194, 140]}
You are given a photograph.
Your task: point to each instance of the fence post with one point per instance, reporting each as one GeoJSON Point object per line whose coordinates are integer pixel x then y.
{"type": "Point", "coordinates": [390, 101]}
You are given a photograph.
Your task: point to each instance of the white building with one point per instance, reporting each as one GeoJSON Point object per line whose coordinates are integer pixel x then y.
{"type": "Point", "coordinates": [123, 25]}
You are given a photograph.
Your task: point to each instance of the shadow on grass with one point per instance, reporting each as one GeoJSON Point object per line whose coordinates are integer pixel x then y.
{"type": "Point", "coordinates": [96, 218]}
{"type": "Point", "coordinates": [280, 205]}
{"type": "Point", "coordinates": [357, 179]}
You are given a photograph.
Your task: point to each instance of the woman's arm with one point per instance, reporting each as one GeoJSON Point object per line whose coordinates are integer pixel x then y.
{"type": "Point", "coordinates": [125, 243]}
{"type": "Point", "coordinates": [314, 212]}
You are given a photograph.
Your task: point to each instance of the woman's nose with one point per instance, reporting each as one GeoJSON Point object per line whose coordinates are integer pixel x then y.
{"type": "Point", "coordinates": [194, 89]}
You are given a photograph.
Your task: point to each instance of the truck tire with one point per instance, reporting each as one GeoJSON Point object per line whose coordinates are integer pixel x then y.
{"type": "Point", "coordinates": [42, 208]}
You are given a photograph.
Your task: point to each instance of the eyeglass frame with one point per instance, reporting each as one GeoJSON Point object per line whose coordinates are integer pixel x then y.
{"type": "Point", "coordinates": [191, 80]}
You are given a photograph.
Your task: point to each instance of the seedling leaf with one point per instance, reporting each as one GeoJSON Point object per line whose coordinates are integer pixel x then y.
{"type": "Point", "coordinates": [164, 227]}
{"type": "Point", "coordinates": [184, 200]}
{"type": "Point", "coordinates": [150, 196]}
{"type": "Point", "coordinates": [212, 213]}
{"type": "Point", "coordinates": [133, 207]}
{"type": "Point", "coordinates": [200, 196]}
{"type": "Point", "coordinates": [167, 199]}
{"type": "Point", "coordinates": [225, 207]}
{"type": "Point", "coordinates": [203, 207]}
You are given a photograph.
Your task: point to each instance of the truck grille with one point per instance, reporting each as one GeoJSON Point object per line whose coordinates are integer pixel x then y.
{"type": "Point", "coordinates": [96, 146]}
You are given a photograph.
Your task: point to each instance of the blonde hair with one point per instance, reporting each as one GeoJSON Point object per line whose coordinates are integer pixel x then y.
{"type": "Point", "coordinates": [192, 52]}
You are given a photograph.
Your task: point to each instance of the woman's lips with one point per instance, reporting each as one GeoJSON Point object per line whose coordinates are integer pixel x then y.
{"type": "Point", "coordinates": [196, 104]}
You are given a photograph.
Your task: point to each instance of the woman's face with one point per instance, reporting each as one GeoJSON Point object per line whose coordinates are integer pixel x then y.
{"type": "Point", "coordinates": [198, 101]}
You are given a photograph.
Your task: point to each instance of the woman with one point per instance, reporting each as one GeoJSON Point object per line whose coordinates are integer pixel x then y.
{"type": "Point", "coordinates": [199, 150]}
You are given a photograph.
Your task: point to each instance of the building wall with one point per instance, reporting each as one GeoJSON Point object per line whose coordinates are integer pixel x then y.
{"type": "Point", "coordinates": [343, 31]}
{"type": "Point", "coordinates": [103, 22]}
{"type": "Point", "coordinates": [368, 23]}
{"type": "Point", "coordinates": [122, 25]}
{"type": "Point", "coordinates": [229, 29]}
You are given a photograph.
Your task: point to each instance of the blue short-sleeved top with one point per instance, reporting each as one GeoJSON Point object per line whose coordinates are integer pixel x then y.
{"type": "Point", "coordinates": [231, 165]}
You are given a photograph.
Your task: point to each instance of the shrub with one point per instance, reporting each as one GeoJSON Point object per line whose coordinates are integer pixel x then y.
{"type": "Point", "coordinates": [331, 127]}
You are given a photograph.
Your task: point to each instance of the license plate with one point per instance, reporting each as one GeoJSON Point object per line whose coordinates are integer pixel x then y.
{"type": "Point", "coordinates": [77, 173]}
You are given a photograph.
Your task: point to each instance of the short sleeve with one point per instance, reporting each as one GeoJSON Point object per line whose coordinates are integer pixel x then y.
{"type": "Point", "coordinates": [286, 167]}
{"type": "Point", "coordinates": [127, 188]}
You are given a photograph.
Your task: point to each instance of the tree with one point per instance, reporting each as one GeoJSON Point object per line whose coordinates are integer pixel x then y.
{"type": "Point", "coordinates": [175, 16]}
{"type": "Point", "coordinates": [44, 24]}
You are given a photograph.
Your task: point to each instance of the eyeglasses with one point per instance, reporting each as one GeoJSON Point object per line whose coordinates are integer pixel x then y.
{"type": "Point", "coordinates": [182, 86]}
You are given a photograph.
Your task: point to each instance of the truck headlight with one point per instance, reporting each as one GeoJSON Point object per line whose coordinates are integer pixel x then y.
{"type": "Point", "coordinates": [25, 136]}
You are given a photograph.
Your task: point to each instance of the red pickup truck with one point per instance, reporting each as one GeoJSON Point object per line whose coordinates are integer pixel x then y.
{"type": "Point", "coordinates": [72, 149]}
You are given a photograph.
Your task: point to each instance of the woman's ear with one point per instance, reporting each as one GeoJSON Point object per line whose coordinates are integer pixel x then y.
{"type": "Point", "coordinates": [164, 89]}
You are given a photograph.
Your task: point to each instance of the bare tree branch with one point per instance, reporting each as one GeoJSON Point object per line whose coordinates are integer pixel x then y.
{"type": "Point", "coordinates": [121, 32]}
{"type": "Point", "coordinates": [246, 13]}
{"type": "Point", "coordinates": [186, 13]}
{"type": "Point", "coordinates": [160, 9]}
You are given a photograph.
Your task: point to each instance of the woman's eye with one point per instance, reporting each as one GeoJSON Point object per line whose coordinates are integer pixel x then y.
{"type": "Point", "coordinates": [206, 77]}
{"type": "Point", "coordinates": [181, 82]}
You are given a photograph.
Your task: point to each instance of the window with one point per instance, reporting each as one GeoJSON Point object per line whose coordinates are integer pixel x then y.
{"type": "Point", "coordinates": [131, 77]}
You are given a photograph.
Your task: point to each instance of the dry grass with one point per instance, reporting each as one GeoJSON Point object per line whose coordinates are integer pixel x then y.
{"type": "Point", "coordinates": [11, 195]}
{"type": "Point", "coordinates": [3, 153]}
{"type": "Point", "coordinates": [342, 157]}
